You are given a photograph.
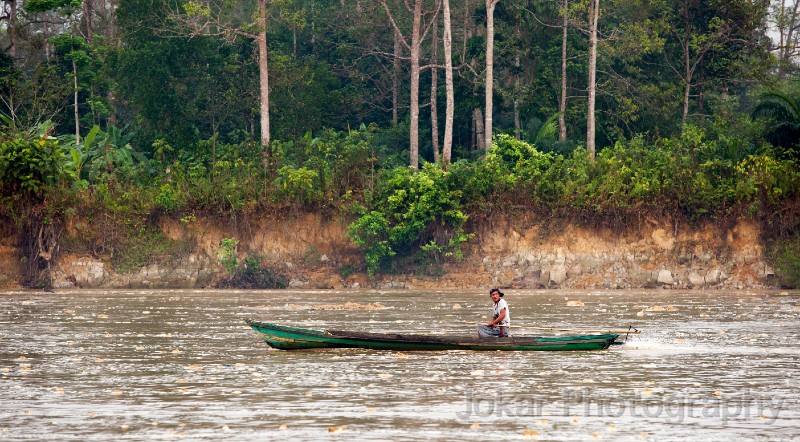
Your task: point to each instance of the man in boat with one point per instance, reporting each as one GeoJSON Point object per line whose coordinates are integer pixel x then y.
{"type": "Point", "coordinates": [500, 324]}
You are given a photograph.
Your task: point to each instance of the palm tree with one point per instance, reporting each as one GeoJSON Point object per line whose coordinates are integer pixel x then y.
{"type": "Point", "coordinates": [782, 115]}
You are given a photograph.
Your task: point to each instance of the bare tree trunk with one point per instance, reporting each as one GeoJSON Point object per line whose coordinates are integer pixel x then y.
{"type": "Point", "coordinates": [448, 74]}
{"type": "Point", "coordinates": [787, 26]}
{"type": "Point", "coordinates": [12, 29]}
{"type": "Point", "coordinates": [111, 33]}
{"type": "Point", "coordinates": [490, 4]}
{"type": "Point", "coordinates": [398, 53]}
{"type": "Point", "coordinates": [88, 26]}
{"type": "Point", "coordinates": [435, 90]}
{"type": "Point", "coordinates": [46, 42]}
{"type": "Point", "coordinates": [466, 28]}
{"type": "Point", "coordinates": [517, 87]}
{"type": "Point", "coordinates": [594, 11]}
{"type": "Point", "coordinates": [415, 54]}
{"type": "Point", "coordinates": [75, 103]}
{"type": "Point", "coordinates": [562, 104]}
{"type": "Point", "coordinates": [687, 75]}
{"type": "Point", "coordinates": [480, 140]}
{"type": "Point", "coordinates": [263, 72]}
{"type": "Point", "coordinates": [313, 24]}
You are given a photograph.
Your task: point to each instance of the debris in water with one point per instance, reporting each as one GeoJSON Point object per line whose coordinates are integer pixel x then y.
{"type": "Point", "coordinates": [475, 426]}
{"type": "Point", "coordinates": [596, 435]}
{"type": "Point", "coordinates": [575, 304]}
{"type": "Point", "coordinates": [337, 429]}
{"type": "Point", "coordinates": [283, 427]}
{"type": "Point", "coordinates": [662, 308]}
{"type": "Point", "coordinates": [457, 306]}
{"type": "Point", "coordinates": [530, 433]}
{"type": "Point", "coordinates": [399, 355]}
{"type": "Point", "coordinates": [345, 306]}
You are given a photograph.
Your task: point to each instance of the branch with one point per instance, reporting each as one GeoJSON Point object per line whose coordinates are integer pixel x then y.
{"type": "Point", "coordinates": [394, 25]}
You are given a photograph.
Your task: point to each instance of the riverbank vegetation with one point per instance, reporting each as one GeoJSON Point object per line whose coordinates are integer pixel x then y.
{"type": "Point", "coordinates": [124, 114]}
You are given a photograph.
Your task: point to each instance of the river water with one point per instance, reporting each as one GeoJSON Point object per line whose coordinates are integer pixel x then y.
{"type": "Point", "coordinates": [171, 365]}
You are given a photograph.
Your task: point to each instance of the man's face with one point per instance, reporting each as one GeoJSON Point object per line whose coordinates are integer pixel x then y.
{"type": "Point", "coordinates": [495, 296]}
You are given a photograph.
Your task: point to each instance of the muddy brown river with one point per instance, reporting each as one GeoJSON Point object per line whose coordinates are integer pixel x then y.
{"type": "Point", "coordinates": [170, 365]}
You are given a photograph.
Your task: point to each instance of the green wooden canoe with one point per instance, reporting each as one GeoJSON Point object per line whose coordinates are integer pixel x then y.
{"type": "Point", "coordinates": [293, 338]}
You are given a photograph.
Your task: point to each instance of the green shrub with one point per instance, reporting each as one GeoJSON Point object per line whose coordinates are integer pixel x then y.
{"type": "Point", "coordinates": [227, 255]}
{"type": "Point", "coordinates": [168, 198]}
{"type": "Point", "coordinates": [411, 212]}
{"type": "Point", "coordinates": [27, 166]}
{"type": "Point", "coordinates": [298, 185]}
{"type": "Point", "coordinates": [785, 255]}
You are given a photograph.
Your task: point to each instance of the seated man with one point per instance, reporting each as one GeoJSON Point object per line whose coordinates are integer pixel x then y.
{"type": "Point", "coordinates": [500, 325]}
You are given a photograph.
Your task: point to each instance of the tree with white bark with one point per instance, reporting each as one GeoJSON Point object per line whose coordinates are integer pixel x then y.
{"type": "Point", "coordinates": [222, 19]}
{"type": "Point", "coordinates": [419, 32]}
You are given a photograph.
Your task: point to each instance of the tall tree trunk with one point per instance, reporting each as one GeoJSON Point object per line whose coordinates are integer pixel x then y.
{"type": "Point", "coordinates": [46, 42]}
{"type": "Point", "coordinates": [313, 24]}
{"type": "Point", "coordinates": [415, 54]}
{"type": "Point", "coordinates": [87, 22]}
{"type": "Point", "coordinates": [448, 75]}
{"type": "Point", "coordinates": [517, 122]}
{"type": "Point", "coordinates": [263, 73]}
{"type": "Point", "coordinates": [12, 29]}
{"type": "Point", "coordinates": [687, 73]}
{"type": "Point", "coordinates": [465, 29]}
{"type": "Point", "coordinates": [490, 4]}
{"type": "Point", "coordinates": [594, 11]}
{"type": "Point", "coordinates": [787, 27]}
{"type": "Point", "coordinates": [75, 103]}
{"type": "Point", "coordinates": [435, 90]}
{"type": "Point", "coordinates": [480, 140]}
{"type": "Point", "coordinates": [398, 53]}
{"type": "Point", "coordinates": [562, 104]}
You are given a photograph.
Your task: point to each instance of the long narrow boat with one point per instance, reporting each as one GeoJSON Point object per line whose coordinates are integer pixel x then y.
{"type": "Point", "coordinates": [293, 338]}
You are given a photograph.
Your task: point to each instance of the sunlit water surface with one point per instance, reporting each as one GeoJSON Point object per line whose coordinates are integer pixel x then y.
{"type": "Point", "coordinates": [169, 365]}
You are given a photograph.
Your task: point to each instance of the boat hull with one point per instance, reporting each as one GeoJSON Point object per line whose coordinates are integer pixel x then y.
{"type": "Point", "coordinates": [293, 338]}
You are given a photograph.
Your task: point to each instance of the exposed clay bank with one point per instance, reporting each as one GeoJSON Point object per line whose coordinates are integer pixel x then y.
{"type": "Point", "coordinates": [520, 253]}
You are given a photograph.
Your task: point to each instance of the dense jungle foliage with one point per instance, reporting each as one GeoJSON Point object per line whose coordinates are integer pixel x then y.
{"type": "Point", "coordinates": [117, 113]}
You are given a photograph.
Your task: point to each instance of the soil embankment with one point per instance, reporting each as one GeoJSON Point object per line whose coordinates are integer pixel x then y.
{"type": "Point", "coordinates": [316, 253]}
